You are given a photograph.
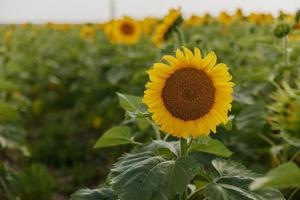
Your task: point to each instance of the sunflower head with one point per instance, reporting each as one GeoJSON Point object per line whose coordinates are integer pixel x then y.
{"type": "Point", "coordinates": [190, 95]}
{"type": "Point", "coordinates": [284, 113]}
{"type": "Point", "coordinates": [127, 30]}
{"type": "Point", "coordinates": [166, 27]}
{"type": "Point", "coordinates": [225, 18]}
{"type": "Point", "coordinates": [148, 24]}
{"type": "Point", "coordinates": [8, 35]}
{"type": "Point", "coordinates": [87, 32]}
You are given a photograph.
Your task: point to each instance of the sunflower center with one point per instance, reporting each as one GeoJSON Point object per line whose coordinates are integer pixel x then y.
{"type": "Point", "coordinates": [188, 94]}
{"type": "Point", "coordinates": [127, 29]}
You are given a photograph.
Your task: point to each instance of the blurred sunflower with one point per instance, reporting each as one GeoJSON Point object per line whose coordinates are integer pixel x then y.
{"type": "Point", "coordinates": [109, 31]}
{"type": "Point", "coordinates": [148, 25]}
{"type": "Point", "coordinates": [224, 18]}
{"type": "Point", "coordinates": [194, 20]}
{"type": "Point", "coordinates": [8, 35]}
{"type": "Point", "coordinates": [284, 113]}
{"type": "Point", "coordinates": [164, 28]}
{"type": "Point", "coordinates": [88, 32]}
{"type": "Point", "coordinates": [127, 31]}
{"type": "Point", "coordinates": [238, 14]}
{"type": "Point", "coordinates": [190, 95]}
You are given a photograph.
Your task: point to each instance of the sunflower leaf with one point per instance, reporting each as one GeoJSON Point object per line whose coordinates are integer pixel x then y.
{"type": "Point", "coordinates": [149, 176]}
{"type": "Point", "coordinates": [285, 176]}
{"type": "Point", "coordinates": [94, 194]}
{"type": "Point", "coordinates": [208, 145]}
{"type": "Point", "coordinates": [115, 136]}
{"type": "Point", "coordinates": [231, 182]}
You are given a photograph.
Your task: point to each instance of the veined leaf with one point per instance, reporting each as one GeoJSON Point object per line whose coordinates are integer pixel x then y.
{"type": "Point", "coordinates": [148, 176]}
{"type": "Point", "coordinates": [209, 145]}
{"type": "Point", "coordinates": [133, 105]}
{"type": "Point", "coordinates": [115, 136]}
{"type": "Point", "coordinates": [285, 176]}
{"type": "Point", "coordinates": [95, 194]}
{"type": "Point", "coordinates": [231, 182]}
{"type": "Point", "coordinates": [129, 102]}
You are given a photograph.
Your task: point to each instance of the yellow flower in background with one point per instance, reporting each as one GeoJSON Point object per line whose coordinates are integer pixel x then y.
{"type": "Point", "coordinates": [190, 95]}
{"type": "Point", "coordinates": [194, 20]}
{"type": "Point", "coordinates": [108, 29]}
{"type": "Point", "coordinates": [126, 31]}
{"type": "Point", "coordinates": [97, 122]}
{"type": "Point", "coordinates": [294, 37]}
{"type": "Point", "coordinates": [88, 32]}
{"type": "Point", "coordinates": [165, 26]}
{"type": "Point", "coordinates": [239, 14]}
{"type": "Point", "coordinates": [8, 35]}
{"type": "Point", "coordinates": [225, 18]}
{"type": "Point", "coordinates": [284, 113]}
{"type": "Point", "coordinates": [148, 24]}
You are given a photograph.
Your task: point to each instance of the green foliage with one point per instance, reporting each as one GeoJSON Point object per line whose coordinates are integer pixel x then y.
{"type": "Point", "coordinates": [8, 183]}
{"type": "Point", "coordinates": [115, 136]}
{"type": "Point", "coordinates": [95, 194]}
{"type": "Point", "coordinates": [208, 145]}
{"type": "Point", "coordinates": [285, 176]}
{"type": "Point", "coordinates": [148, 176]}
{"type": "Point", "coordinates": [36, 182]}
{"type": "Point", "coordinates": [232, 181]}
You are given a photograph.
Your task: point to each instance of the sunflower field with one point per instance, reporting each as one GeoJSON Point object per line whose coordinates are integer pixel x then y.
{"type": "Point", "coordinates": [176, 108]}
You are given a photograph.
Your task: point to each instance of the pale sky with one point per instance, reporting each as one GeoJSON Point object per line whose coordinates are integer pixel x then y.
{"type": "Point", "coordinates": [40, 11]}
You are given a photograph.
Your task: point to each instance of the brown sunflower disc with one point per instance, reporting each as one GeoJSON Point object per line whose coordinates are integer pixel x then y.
{"type": "Point", "coordinates": [127, 28]}
{"type": "Point", "coordinates": [188, 94]}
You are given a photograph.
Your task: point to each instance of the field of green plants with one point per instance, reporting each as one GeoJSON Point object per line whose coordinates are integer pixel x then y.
{"type": "Point", "coordinates": [72, 114]}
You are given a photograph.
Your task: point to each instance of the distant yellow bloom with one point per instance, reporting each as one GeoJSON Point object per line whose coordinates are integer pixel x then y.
{"type": "Point", "coordinates": [8, 35]}
{"type": "Point", "coordinates": [190, 95]}
{"type": "Point", "coordinates": [109, 31]}
{"type": "Point", "coordinates": [97, 122]}
{"type": "Point", "coordinates": [194, 20]}
{"type": "Point", "coordinates": [88, 32]}
{"type": "Point", "coordinates": [148, 25]}
{"type": "Point", "coordinates": [163, 29]}
{"type": "Point", "coordinates": [126, 31]}
{"type": "Point", "coordinates": [225, 18]}
{"type": "Point", "coordinates": [239, 14]}
{"type": "Point", "coordinates": [294, 37]}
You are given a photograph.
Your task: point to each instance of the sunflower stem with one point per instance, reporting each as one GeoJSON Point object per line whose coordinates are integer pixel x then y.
{"type": "Point", "coordinates": [180, 37]}
{"type": "Point", "coordinates": [155, 128]}
{"type": "Point", "coordinates": [183, 147]}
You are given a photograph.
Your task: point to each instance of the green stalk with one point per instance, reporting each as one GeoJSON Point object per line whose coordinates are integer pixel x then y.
{"type": "Point", "coordinates": [183, 153]}
{"type": "Point", "coordinates": [183, 147]}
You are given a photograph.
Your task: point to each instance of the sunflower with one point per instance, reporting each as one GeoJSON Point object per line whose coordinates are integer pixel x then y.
{"type": "Point", "coordinates": [284, 113]}
{"type": "Point", "coordinates": [88, 32]}
{"type": "Point", "coordinates": [169, 21]}
{"type": "Point", "coordinates": [127, 31]}
{"type": "Point", "coordinates": [190, 95]}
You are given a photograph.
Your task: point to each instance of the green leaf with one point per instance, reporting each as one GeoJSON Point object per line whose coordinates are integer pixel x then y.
{"type": "Point", "coordinates": [208, 145]}
{"type": "Point", "coordinates": [115, 136]}
{"type": "Point", "coordinates": [291, 138]}
{"type": "Point", "coordinates": [133, 105]}
{"type": "Point", "coordinates": [129, 102]}
{"type": "Point", "coordinates": [7, 112]}
{"type": "Point", "coordinates": [148, 176]}
{"type": "Point", "coordinates": [285, 176]}
{"type": "Point", "coordinates": [158, 147]}
{"type": "Point", "coordinates": [231, 182]}
{"type": "Point", "coordinates": [95, 194]}
{"type": "Point", "coordinates": [13, 138]}
{"type": "Point", "coordinates": [251, 119]}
